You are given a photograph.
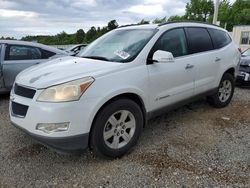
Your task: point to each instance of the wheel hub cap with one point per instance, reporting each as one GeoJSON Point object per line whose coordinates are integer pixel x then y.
{"type": "Point", "coordinates": [225, 90]}
{"type": "Point", "coordinates": [119, 129]}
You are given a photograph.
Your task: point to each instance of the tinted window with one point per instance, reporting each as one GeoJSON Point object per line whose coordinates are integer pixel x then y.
{"type": "Point", "coordinates": [219, 38]}
{"type": "Point", "coordinates": [47, 54]}
{"type": "Point", "coordinates": [173, 41]}
{"type": "Point", "coordinates": [19, 52]}
{"type": "Point", "coordinates": [198, 40]}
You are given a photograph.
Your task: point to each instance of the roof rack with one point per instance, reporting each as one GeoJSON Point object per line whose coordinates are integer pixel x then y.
{"type": "Point", "coordinates": [128, 25]}
{"type": "Point", "coordinates": [199, 22]}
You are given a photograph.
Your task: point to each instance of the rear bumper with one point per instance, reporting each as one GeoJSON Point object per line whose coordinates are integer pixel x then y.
{"type": "Point", "coordinates": [70, 144]}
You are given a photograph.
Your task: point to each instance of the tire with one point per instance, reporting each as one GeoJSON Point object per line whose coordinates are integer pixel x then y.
{"type": "Point", "coordinates": [121, 133]}
{"type": "Point", "coordinates": [226, 89]}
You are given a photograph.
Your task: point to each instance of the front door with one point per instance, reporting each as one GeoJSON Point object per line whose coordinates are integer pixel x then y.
{"type": "Point", "coordinates": [171, 82]}
{"type": "Point", "coordinates": [18, 58]}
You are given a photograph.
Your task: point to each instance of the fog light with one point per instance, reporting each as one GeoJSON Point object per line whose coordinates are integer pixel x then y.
{"type": "Point", "coordinates": [52, 127]}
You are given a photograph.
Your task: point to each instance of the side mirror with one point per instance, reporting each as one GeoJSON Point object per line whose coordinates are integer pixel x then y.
{"type": "Point", "coordinates": [163, 57]}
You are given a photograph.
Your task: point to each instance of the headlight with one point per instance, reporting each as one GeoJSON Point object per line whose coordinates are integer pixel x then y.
{"type": "Point", "coordinates": [70, 91]}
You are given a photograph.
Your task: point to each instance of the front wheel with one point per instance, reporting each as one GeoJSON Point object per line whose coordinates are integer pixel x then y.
{"type": "Point", "coordinates": [116, 128]}
{"type": "Point", "coordinates": [224, 92]}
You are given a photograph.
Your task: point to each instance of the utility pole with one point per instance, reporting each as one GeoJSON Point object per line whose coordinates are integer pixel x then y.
{"type": "Point", "coordinates": [216, 10]}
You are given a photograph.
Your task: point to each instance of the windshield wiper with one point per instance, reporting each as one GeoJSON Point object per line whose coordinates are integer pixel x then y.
{"type": "Point", "coordinates": [96, 57]}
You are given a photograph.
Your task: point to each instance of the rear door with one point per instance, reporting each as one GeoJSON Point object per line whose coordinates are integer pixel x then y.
{"type": "Point", "coordinates": [205, 59]}
{"type": "Point", "coordinates": [18, 58]}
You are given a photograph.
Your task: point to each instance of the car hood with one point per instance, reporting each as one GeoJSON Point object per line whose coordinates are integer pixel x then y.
{"type": "Point", "coordinates": [245, 61]}
{"type": "Point", "coordinates": [63, 70]}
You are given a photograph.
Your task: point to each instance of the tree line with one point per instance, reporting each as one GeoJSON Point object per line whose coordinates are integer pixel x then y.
{"type": "Point", "coordinates": [229, 15]}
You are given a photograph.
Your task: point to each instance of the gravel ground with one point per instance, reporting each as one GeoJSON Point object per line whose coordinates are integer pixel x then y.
{"type": "Point", "coordinates": [194, 146]}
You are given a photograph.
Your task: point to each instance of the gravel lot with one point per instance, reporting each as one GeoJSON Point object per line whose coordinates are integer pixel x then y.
{"type": "Point", "coordinates": [194, 146]}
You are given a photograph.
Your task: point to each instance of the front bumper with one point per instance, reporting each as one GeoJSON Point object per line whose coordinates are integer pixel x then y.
{"type": "Point", "coordinates": [243, 78]}
{"type": "Point", "coordinates": [79, 114]}
{"type": "Point", "coordinates": [69, 144]}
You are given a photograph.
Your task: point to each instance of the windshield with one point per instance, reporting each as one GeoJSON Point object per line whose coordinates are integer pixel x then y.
{"type": "Point", "coordinates": [246, 53]}
{"type": "Point", "coordinates": [119, 45]}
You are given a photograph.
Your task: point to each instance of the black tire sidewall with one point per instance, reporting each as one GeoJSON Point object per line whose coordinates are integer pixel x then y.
{"type": "Point", "coordinates": [97, 140]}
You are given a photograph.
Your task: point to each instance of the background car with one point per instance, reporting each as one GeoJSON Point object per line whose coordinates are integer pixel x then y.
{"type": "Point", "coordinates": [74, 50]}
{"type": "Point", "coordinates": [243, 77]}
{"type": "Point", "coordinates": [16, 56]}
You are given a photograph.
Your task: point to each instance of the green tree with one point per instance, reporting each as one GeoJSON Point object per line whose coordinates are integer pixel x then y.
{"type": "Point", "coordinates": [112, 25]}
{"type": "Point", "coordinates": [80, 36]}
{"type": "Point", "coordinates": [176, 18]}
{"type": "Point", "coordinates": [241, 12]}
{"type": "Point", "coordinates": [160, 20]}
{"type": "Point", "coordinates": [143, 22]}
{"type": "Point", "coordinates": [199, 10]}
{"type": "Point", "coordinates": [91, 34]}
{"type": "Point", "coordinates": [225, 13]}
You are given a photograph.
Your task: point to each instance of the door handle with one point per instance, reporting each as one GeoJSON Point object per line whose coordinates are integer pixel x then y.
{"type": "Point", "coordinates": [188, 66]}
{"type": "Point", "coordinates": [217, 59]}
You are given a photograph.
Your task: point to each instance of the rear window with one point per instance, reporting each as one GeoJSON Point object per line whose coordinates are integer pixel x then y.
{"type": "Point", "coordinates": [219, 38]}
{"type": "Point", "coordinates": [198, 40]}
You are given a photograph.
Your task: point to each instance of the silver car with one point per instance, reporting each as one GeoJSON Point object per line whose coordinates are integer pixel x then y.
{"type": "Point", "coordinates": [16, 56]}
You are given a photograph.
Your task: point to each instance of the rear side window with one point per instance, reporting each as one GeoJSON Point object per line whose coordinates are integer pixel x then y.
{"type": "Point", "coordinates": [219, 38]}
{"type": "Point", "coordinates": [198, 40]}
{"type": "Point", "coordinates": [47, 54]}
{"type": "Point", "coordinates": [173, 41]}
{"type": "Point", "coordinates": [19, 52]}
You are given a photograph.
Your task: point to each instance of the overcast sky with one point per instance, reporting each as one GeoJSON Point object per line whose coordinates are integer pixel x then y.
{"type": "Point", "coordinates": [41, 17]}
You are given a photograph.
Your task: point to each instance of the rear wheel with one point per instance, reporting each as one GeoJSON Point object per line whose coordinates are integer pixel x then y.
{"type": "Point", "coordinates": [224, 92]}
{"type": "Point", "coordinates": [117, 128]}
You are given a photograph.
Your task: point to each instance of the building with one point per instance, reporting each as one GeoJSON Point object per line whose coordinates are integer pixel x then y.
{"type": "Point", "coordinates": [241, 36]}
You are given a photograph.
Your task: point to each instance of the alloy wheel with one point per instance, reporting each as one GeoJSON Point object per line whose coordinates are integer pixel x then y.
{"type": "Point", "coordinates": [225, 90]}
{"type": "Point", "coordinates": [119, 129]}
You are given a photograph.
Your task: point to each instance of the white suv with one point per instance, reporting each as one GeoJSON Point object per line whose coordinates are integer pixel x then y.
{"type": "Point", "coordinates": [104, 98]}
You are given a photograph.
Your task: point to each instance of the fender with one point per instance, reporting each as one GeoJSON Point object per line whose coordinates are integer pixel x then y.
{"type": "Point", "coordinates": [103, 100]}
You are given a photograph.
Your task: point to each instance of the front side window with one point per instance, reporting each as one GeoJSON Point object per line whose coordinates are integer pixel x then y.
{"type": "Point", "coordinates": [19, 52]}
{"type": "Point", "coordinates": [198, 40]}
{"type": "Point", "coordinates": [219, 38]}
{"type": "Point", "coordinates": [173, 41]}
{"type": "Point", "coordinates": [119, 45]}
{"type": "Point", "coordinates": [245, 38]}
